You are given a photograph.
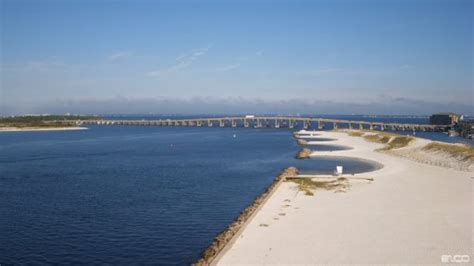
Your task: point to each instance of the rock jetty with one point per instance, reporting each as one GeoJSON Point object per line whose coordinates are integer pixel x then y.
{"type": "Point", "coordinates": [303, 154]}
{"type": "Point", "coordinates": [222, 239]}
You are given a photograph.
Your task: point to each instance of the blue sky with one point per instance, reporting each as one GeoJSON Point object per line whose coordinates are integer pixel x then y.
{"type": "Point", "coordinates": [381, 57]}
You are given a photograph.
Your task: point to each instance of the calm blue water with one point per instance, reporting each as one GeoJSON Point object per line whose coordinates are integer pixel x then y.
{"type": "Point", "coordinates": [134, 195]}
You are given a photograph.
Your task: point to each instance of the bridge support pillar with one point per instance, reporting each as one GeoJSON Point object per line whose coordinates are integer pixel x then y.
{"type": "Point", "coordinates": [246, 123]}
{"type": "Point", "coordinates": [233, 123]}
{"type": "Point", "coordinates": [209, 123]}
{"type": "Point", "coordinates": [361, 126]}
{"type": "Point", "coordinates": [371, 126]}
{"type": "Point", "coordinates": [277, 123]}
{"type": "Point", "coordinates": [257, 123]}
{"type": "Point", "coordinates": [306, 124]}
{"type": "Point", "coordinates": [221, 123]}
{"type": "Point", "coordinates": [320, 124]}
{"type": "Point", "coordinates": [382, 127]}
{"type": "Point", "coordinates": [350, 125]}
{"type": "Point", "coordinates": [334, 125]}
{"type": "Point", "coordinates": [290, 124]}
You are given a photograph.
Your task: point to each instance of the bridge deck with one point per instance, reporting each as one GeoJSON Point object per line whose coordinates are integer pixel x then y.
{"type": "Point", "coordinates": [267, 121]}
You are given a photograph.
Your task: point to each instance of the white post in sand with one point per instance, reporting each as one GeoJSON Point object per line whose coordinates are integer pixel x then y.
{"type": "Point", "coordinates": [339, 170]}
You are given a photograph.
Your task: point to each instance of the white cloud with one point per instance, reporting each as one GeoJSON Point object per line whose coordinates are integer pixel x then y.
{"type": "Point", "coordinates": [226, 68]}
{"type": "Point", "coordinates": [180, 57]}
{"type": "Point", "coordinates": [120, 55]}
{"type": "Point", "coordinates": [184, 61]}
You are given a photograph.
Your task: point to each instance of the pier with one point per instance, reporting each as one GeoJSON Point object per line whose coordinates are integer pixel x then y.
{"type": "Point", "coordinates": [268, 122]}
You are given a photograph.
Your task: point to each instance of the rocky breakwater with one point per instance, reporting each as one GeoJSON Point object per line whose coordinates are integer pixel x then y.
{"type": "Point", "coordinates": [302, 141]}
{"type": "Point", "coordinates": [226, 236]}
{"type": "Point", "coordinates": [303, 154]}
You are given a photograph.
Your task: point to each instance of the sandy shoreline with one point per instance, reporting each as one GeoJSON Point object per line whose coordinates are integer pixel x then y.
{"type": "Point", "coordinates": [413, 212]}
{"type": "Point", "coordinates": [15, 129]}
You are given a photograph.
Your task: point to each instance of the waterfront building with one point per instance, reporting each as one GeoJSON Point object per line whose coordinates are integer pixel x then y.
{"type": "Point", "coordinates": [445, 119]}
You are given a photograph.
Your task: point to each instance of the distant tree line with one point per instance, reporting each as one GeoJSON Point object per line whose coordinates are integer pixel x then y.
{"type": "Point", "coordinates": [43, 120]}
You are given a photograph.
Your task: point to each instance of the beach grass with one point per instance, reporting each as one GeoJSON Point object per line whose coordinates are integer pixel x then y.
{"type": "Point", "coordinates": [460, 151]}
{"type": "Point", "coordinates": [378, 138]}
{"type": "Point", "coordinates": [309, 186]}
{"type": "Point", "coordinates": [355, 133]}
{"type": "Point", "coordinates": [399, 142]}
{"type": "Point", "coordinates": [392, 141]}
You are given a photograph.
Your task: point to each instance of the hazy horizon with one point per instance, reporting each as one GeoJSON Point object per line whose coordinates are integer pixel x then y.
{"type": "Point", "coordinates": [188, 57]}
{"type": "Point", "coordinates": [198, 106]}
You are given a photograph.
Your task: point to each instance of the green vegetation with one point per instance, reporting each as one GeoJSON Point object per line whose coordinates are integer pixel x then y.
{"type": "Point", "coordinates": [399, 142]}
{"type": "Point", "coordinates": [355, 133]}
{"type": "Point", "coordinates": [309, 186]}
{"type": "Point", "coordinates": [42, 121]}
{"type": "Point", "coordinates": [460, 151]}
{"type": "Point", "coordinates": [378, 138]}
{"type": "Point", "coordinates": [392, 141]}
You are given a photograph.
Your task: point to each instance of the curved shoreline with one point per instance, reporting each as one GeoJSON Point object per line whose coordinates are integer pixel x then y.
{"type": "Point", "coordinates": [376, 165]}
{"type": "Point", "coordinates": [316, 139]}
{"type": "Point", "coordinates": [327, 147]}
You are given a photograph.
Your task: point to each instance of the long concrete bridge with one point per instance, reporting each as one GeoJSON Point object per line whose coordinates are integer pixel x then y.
{"type": "Point", "coordinates": [269, 121]}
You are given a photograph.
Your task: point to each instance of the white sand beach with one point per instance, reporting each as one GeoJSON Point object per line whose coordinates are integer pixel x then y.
{"type": "Point", "coordinates": [413, 212]}
{"type": "Point", "coordinates": [17, 129]}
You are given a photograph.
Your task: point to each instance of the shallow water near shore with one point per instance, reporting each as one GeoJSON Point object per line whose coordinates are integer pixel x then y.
{"type": "Point", "coordinates": [316, 139]}
{"type": "Point", "coordinates": [324, 147]}
{"type": "Point", "coordinates": [142, 195]}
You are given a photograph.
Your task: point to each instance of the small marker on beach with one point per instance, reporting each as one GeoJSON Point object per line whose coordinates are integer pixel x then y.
{"type": "Point", "coordinates": [339, 169]}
